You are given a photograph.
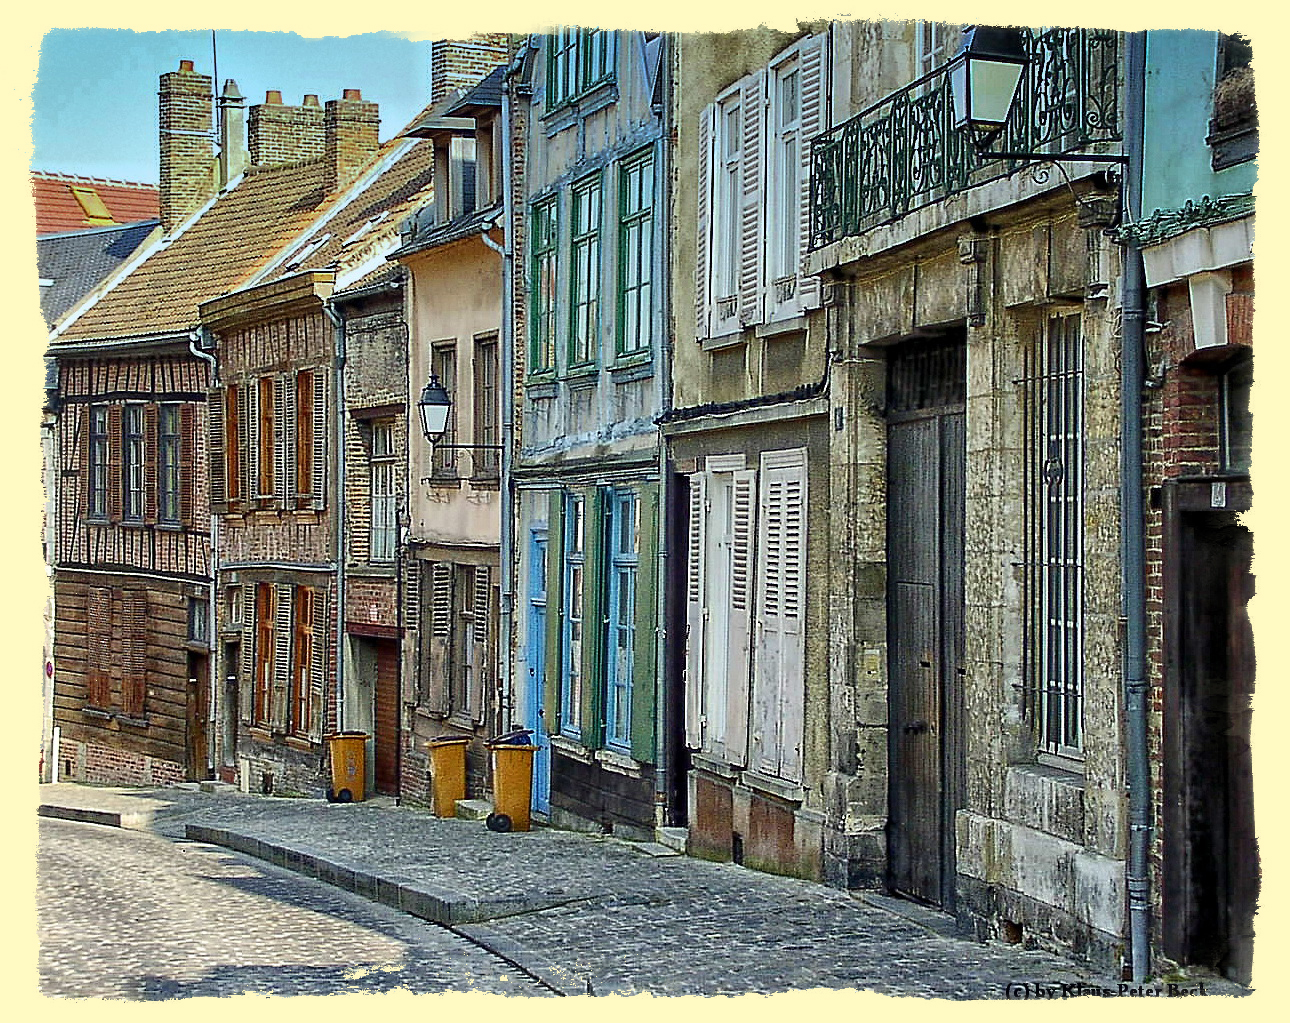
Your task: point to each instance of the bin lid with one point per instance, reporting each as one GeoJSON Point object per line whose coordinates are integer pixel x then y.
{"type": "Point", "coordinates": [448, 740]}
{"type": "Point", "coordinates": [345, 735]}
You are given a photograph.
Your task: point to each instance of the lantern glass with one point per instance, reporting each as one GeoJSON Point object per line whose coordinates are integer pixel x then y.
{"type": "Point", "coordinates": [984, 76]}
{"type": "Point", "coordinates": [991, 88]}
{"type": "Point", "coordinates": [434, 406]}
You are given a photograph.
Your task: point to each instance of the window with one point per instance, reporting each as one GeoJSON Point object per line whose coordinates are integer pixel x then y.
{"type": "Point", "coordinates": [785, 183]}
{"type": "Point", "coordinates": [571, 640]}
{"type": "Point", "coordinates": [168, 468]}
{"type": "Point", "coordinates": [301, 697]}
{"type": "Point", "coordinates": [263, 681]}
{"type": "Point", "coordinates": [635, 254]}
{"type": "Point", "coordinates": [443, 363]}
{"type": "Point", "coordinates": [133, 463]}
{"type": "Point", "coordinates": [233, 605]}
{"type": "Point", "coordinates": [726, 212]}
{"type": "Point", "coordinates": [267, 438]}
{"type": "Point", "coordinates": [584, 297]}
{"type": "Point", "coordinates": [542, 329]}
{"type": "Point", "coordinates": [304, 422]}
{"type": "Point", "coordinates": [471, 648]}
{"type": "Point", "coordinates": [1236, 426]}
{"type": "Point", "coordinates": [98, 487]}
{"type": "Point", "coordinates": [935, 43]}
{"type": "Point", "coordinates": [1055, 541]}
{"type": "Point", "coordinates": [384, 498]}
{"type": "Point", "coordinates": [233, 424]}
{"type": "Point", "coordinates": [486, 462]}
{"type": "Point", "coordinates": [198, 620]}
{"type": "Point", "coordinates": [624, 548]}
{"type": "Point", "coordinates": [578, 59]}
{"type": "Point", "coordinates": [1234, 126]}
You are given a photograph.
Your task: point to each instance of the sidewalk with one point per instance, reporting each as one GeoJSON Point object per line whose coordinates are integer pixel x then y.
{"type": "Point", "coordinates": [586, 913]}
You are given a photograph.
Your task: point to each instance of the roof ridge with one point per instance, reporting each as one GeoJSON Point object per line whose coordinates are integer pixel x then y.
{"type": "Point", "coordinates": [92, 179]}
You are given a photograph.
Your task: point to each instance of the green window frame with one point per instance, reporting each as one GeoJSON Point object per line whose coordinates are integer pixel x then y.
{"type": "Point", "coordinates": [572, 638]}
{"type": "Point", "coordinates": [578, 60]}
{"type": "Point", "coordinates": [584, 273]}
{"type": "Point", "coordinates": [620, 622]}
{"type": "Point", "coordinates": [635, 254]}
{"type": "Point", "coordinates": [542, 298]}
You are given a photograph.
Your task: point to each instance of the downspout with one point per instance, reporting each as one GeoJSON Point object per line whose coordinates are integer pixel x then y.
{"type": "Point", "coordinates": [338, 510]}
{"type": "Point", "coordinates": [661, 694]}
{"type": "Point", "coordinates": [1133, 551]}
{"type": "Point", "coordinates": [213, 675]}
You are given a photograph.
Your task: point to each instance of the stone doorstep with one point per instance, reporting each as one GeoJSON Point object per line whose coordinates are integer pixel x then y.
{"type": "Point", "coordinates": [673, 838]}
{"type": "Point", "coordinates": [473, 809]}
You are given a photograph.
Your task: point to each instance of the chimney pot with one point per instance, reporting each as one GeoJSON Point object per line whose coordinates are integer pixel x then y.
{"type": "Point", "coordinates": [311, 99]}
{"type": "Point", "coordinates": [186, 65]}
{"type": "Point", "coordinates": [352, 94]}
{"type": "Point", "coordinates": [273, 96]}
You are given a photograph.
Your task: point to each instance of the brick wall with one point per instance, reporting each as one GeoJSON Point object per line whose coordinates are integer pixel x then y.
{"type": "Point", "coordinates": [97, 764]}
{"type": "Point", "coordinates": [459, 64]}
{"type": "Point", "coordinates": [352, 135]}
{"type": "Point", "coordinates": [187, 172]}
{"type": "Point", "coordinates": [277, 133]}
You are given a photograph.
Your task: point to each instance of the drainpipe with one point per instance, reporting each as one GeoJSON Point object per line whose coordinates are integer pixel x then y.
{"type": "Point", "coordinates": [338, 516]}
{"type": "Point", "coordinates": [212, 672]}
{"type": "Point", "coordinates": [1133, 551]}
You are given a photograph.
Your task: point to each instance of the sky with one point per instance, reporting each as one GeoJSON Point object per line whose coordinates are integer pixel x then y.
{"type": "Point", "coordinates": [95, 98]}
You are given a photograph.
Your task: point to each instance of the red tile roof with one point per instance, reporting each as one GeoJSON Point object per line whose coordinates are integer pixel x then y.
{"type": "Point", "coordinates": [58, 210]}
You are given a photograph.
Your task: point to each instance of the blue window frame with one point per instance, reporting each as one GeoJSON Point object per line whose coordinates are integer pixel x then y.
{"type": "Point", "coordinates": [624, 550]}
{"type": "Point", "coordinates": [575, 563]}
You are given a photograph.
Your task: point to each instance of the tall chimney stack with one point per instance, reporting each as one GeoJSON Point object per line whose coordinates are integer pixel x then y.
{"type": "Point", "coordinates": [233, 157]}
{"type": "Point", "coordinates": [284, 134]}
{"type": "Point", "coordinates": [461, 63]}
{"type": "Point", "coordinates": [352, 137]}
{"type": "Point", "coordinates": [187, 177]}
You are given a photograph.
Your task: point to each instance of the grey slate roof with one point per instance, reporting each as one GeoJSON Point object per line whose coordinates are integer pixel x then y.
{"type": "Point", "coordinates": [488, 93]}
{"type": "Point", "coordinates": [78, 260]}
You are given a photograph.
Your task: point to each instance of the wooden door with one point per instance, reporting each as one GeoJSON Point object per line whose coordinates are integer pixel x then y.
{"type": "Point", "coordinates": [197, 745]}
{"type": "Point", "coordinates": [925, 506]}
{"type": "Point", "coordinates": [385, 716]}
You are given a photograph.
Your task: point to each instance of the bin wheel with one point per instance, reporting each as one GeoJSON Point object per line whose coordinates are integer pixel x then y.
{"type": "Point", "coordinates": [331, 795]}
{"type": "Point", "coordinates": [499, 822]}
{"type": "Point", "coordinates": [344, 796]}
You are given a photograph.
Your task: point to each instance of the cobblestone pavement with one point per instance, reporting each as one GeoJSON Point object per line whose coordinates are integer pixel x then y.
{"type": "Point", "coordinates": [134, 916]}
{"type": "Point", "coordinates": [592, 914]}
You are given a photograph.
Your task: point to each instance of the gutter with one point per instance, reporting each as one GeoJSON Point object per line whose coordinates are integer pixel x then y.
{"type": "Point", "coordinates": [338, 515]}
{"type": "Point", "coordinates": [506, 555]}
{"type": "Point", "coordinates": [213, 587]}
{"type": "Point", "coordinates": [1132, 528]}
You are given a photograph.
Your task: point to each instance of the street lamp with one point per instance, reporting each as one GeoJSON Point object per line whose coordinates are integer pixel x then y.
{"type": "Point", "coordinates": [984, 77]}
{"type": "Point", "coordinates": [434, 406]}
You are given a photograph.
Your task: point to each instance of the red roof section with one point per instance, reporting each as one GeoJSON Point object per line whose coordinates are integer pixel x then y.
{"type": "Point", "coordinates": [58, 209]}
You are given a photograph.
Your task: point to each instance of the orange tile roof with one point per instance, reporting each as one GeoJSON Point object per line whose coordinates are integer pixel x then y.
{"type": "Point", "coordinates": [58, 210]}
{"type": "Point", "coordinates": [244, 228]}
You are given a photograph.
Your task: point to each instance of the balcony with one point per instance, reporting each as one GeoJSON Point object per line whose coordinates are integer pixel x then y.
{"type": "Point", "coordinates": [904, 153]}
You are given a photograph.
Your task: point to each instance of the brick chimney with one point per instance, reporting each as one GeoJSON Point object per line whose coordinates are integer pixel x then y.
{"type": "Point", "coordinates": [461, 63]}
{"type": "Point", "coordinates": [233, 157]}
{"type": "Point", "coordinates": [187, 174]}
{"type": "Point", "coordinates": [284, 134]}
{"type": "Point", "coordinates": [352, 137]}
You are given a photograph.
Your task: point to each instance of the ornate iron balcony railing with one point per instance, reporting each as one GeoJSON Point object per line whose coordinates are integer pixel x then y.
{"type": "Point", "coordinates": [904, 152]}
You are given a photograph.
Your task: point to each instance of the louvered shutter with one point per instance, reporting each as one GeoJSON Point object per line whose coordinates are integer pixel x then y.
{"type": "Point", "coordinates": [287, 428]}
{"type": "Point", "coordinates": [243, 466]}
{"type": "Point", "coordinates": [150, 463]}
{"type": "Point", "coordinates": [752, 216]}
{"type": "Point", "coordinates": [115, 454]}
{"type": "Point", "coordinates": [99, 629]}
{"type": "Point", "coordinates": [481, 626]}
{"type": "Point", "coordinates": [739, 660]}
{"type": "Point", "coordinates": [703, 243]}
{"type": "Point", "coordinates": [319, 483]}
{"type": "Point", "coordinates": [438, 642]}
{"type": "Point", "coordinates": [134, 653]}
{"type": "Point", "coordinates": [282, 635]}
{"type": "Point", "coordinates": [778, 680]}
{"type": "Point", "coordinates": [695, 609]}
{"type": "Point", "coordinates": [246, 678]}
{"type": "Point", "coordinates": [280, 492]}
{"type": "Point", "coordinates": [554, 613]}
{"type": "Point", "coordinates": [252, 454]}
{"type": "Point", "coordinates": [813, 121]}
{"type": "Point", "coordinates": [318, 667]}
{"type": "Point", "coordinates": [188, 460]}
{"type": "Point", "coordinates": [645, 655]}
{"type": "Point", "coordinates": [218, 468]}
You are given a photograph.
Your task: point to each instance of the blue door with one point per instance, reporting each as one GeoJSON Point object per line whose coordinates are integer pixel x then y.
{"type": "Point", "coordinates": [536, 657]}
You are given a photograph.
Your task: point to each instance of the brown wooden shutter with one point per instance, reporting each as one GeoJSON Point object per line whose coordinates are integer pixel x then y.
{"type": "Point", "coordinates": [246, 673]}
{"type": "Point", "coordinates": [282, 636]}
{"type": "Point", "coordinates": [280, 492]}
{"type": "Point", "coordinates": [318, 486]}
{"type": "Point", "coordinates": [318, 669]}
{"type": "Point", "coordinates": [436, 644]}
{"type": "Point", "coordinates": [150, 465]}
{"type": "Point", "coordinates": [752, 215]}
{"type": "Point", "coordinates": [287, 427]}
{"type": "Point", "coordinates": [695, 610]}
{"type": "Point", "coordinates": [812, 122]}
{"type": "Point", "coordinates": [739, 657]}
{"type": "Point", "coordinates": [216, 427]}
{"type": "Point", "coordinates": [98, 629]}
{"type": "Point", "coordinates": [481, 628]}
{"type": "Point", "coordinates": [188, 460]}
{"type": "Point", "coordinates": [252, 454]}
{"type": "Point", "coordinates": [243, 466]}
{"type": "Point", "coordinates": [134, 659]}
{"type": "Point", "coordinates": [115, 456]}
{"type": "Point", "coordinates": [702, 260]}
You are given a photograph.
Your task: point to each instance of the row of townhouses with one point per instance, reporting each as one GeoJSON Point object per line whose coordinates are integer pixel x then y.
{"type": "Point", "coordinates": [860, 498]}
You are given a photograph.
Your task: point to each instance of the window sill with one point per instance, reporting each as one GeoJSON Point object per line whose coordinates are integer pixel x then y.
{"type": "Point", "coordinates": [618, 763]}
{"type": "Point", "coordinates": [568, 111]}
{"type": "Point", "coordinates": [1047, 798]}
{"type": "Point", "coordinates": [632, 369]}
{"type": "Point", "coordinates": [96, 714]}
{"type": "Point", "coordinates": [707, 763]}
{"type": "Point", "coordinates": [720, 341]}
{"type": "Point", "coordinates": [442, 482]}
{"type": "Point", "coordinates": [572, 748]}
{"type": "Point", "coordinates": [121, 719]}
{"type": "Point", "coordinates": [485, 482]}
{"type": "Point", "coordinates": [540, 388]}
{"type": "Point", "coordinates": [781, 328]}
{"type": "Point", "coordinates": [462, 721]}
{"type": "Point", "coordinates": [261, 735]}
{"type": "Point", "coordinates": [787, 790]}
{"type": "Point", "coordinates": [582, 376]}
{"type": "Point", "coordinates": [300, 743]}
{"type": "Point", "coordinates": [197, 646]}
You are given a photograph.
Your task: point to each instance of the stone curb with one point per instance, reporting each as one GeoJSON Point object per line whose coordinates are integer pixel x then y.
{"type": "Point", "coordinates": [559, 978]}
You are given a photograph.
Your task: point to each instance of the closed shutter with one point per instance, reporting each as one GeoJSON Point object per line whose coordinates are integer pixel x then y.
{"type": "Point", "coordinates": [645, 667]}
{"type": "Point", "coordinates": [813, 121]}
{"type": "Point", "coordinates": [481, 626]}
{"type": "Point", "coordinates": [318, 669]}
{"type": "Point", "coordinates": [188, 460]}
{"type": "Point", "coordinates": [98, 627]}
{"type": "Point", "coordinates": [437, 621]}
{"type": "Point", "coordinates": [246, 676]}
{"type": "Point", "coordinates": [282, 634]}
{"type": "Point", "coordinates": [554, 613]}
{"type": "Point", "coordinates": [595, 622]}
{"type": "Point", "coordinates": [287, 429]}
{"type": "Point", "coordinates": [252, 452]}
{"type": "Point", "coordinates": [243, 466]}
{"type": "Point", "coordinates": [215, 447]}
{"type": "Point", "coordinates": [752, 210]}
{"type": "Point", "coordinates": [703, 243]}
{"type": "Point", "coordinates": [280, 492]}
{"type": "Point", "coordinates": [739, 660]}
{"type": "Point", "coordinates": [134, 653]}
{"type": "Point", "coordinates": [695, 610]}
{"type": "Point", "coordinates": [318, 486]}
{"type": "Point", "coordinates": [115, 441]}
{"type": "Point", "coordinates": [150, 463]}
{"type": "Point", "coordinates": [778, 672]}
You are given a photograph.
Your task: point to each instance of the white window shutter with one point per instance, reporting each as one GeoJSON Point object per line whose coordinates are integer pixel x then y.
{"type": "Point", "coordinates": [282, 637]}
{"type": "Point", "coordinates": [695, 610]}
{"type": "Point", "coordinates": [703, 243]}
{"type": "Point", "coordinates": [812, 62]}
{"type": "Point", "coordinates": [436, 635]}
{"type": "Point", "coordinates": [482, 675]}
{"type": "Point", "coordinates": [742, 570]}
{"type": "Point", "coordinates": [752, 241]}
{"type": "Point", "coordinates": [318, 485]}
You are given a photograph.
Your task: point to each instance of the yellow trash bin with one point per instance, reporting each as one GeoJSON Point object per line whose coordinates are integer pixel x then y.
{"type": "Point", "coordinates": [348, 754]}
{"type": "Point", "coordinates": [512, 786]}
{"type": "Point", "coordinates": [447, 773]}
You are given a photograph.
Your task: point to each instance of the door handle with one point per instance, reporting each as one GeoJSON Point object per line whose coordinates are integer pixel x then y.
{"type": "Point", "coordinates": [916, 728]}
